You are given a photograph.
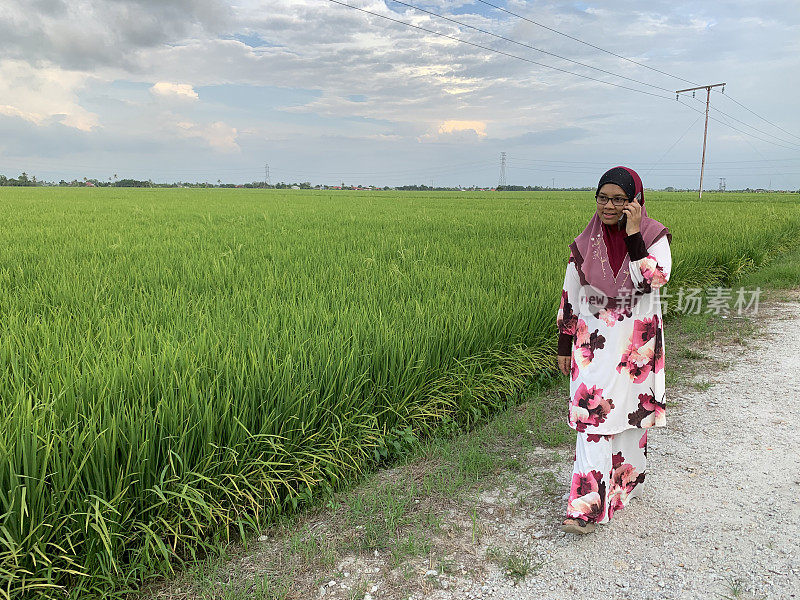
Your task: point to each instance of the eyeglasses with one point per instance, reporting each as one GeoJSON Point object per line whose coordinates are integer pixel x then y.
{"type": "Point", "coordinates": [602, 200]}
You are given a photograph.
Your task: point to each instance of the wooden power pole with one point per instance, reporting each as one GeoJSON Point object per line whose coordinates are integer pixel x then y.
{"type": "Point", "coordinates": [707, 88]}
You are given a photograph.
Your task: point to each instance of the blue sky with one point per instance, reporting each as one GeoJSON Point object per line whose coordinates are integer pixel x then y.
{"type": "Point", "coordinates": [201, 90]}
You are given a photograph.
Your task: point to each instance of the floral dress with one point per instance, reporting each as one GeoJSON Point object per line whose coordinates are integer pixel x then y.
{"type": "Point", "coordinates": [617, 384]}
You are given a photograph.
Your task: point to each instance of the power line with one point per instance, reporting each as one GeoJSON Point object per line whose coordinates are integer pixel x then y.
{"type": "Point", "coordinates": [584, 42]}
{"type": "Point", "coordinates": [739, 130]}
{"type": "Point", "coordinates": [755, 128]}
{"type": "Point", "coordinates": [650, 170]}
{"type": "Point", "coordinates": [596, 163]}
{"type": "Point", "coordinates": [508, 54]}
{"type": "Point", "coordinates": [749, 143]}
{"type": "Point", "coordinates": [731, 98]}
{"type": "Point", "coordinates": [759, 116]}
{"type": "Point", "coordinates": [545, 65]}
{"type": "Point", "coordinates": [501, 37]}
{"type": "Point", "coordinates": [750, 126]}
{"type": "Point", "coordinates": [623, 58]}
{"type": "Point", "coordinates": [456, 39]}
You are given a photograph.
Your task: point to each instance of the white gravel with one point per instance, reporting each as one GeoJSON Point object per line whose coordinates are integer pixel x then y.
{"type": "Point", "coordinates": [721, 502]}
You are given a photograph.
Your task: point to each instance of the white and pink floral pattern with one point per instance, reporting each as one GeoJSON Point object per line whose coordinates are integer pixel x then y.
{"type": "Point", "coordinates": [617, 386]}
{"type": "Point", "coordinates": [618, 350]}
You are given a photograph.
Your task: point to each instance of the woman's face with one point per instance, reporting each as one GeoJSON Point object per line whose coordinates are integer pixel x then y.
{"type": "Point", "coordinates": [608, 213]}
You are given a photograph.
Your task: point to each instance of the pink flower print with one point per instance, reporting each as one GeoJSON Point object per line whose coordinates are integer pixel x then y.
{"type": "Point", "coordinates": [586, 496]}
{"type": "Point", "coordinates": [586, 343]}
{"type": "Point", "coordinates": [644, 353]}
{"type": "Point", "coordinates": [566, 318]}
{"type": "Point", "coordinates": [652, 272]}
{"type": "Point", "coordinates": [644, 330]}
{"type": "Point", "coordinates": [624, 477]}
{"type": "Point", "coordinates": [638, 362]}
{"type": "Point", "coordinates": [610, 316]}
{"type": "Point", "coordinates": [649, 413]}
{"type": "Point", "coordinates": [595, 437]}
{"type": "Point", "coordinates": [588, 407]}
{"type": "Point", "coordinates": [574, 369]}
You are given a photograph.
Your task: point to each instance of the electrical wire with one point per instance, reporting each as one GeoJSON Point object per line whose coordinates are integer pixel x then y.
{"type": "Point", "coordinates": [650, 170]}
{"type": "Point", "coordinates": [714, 108]}
{"type": "Point", "coordinates": [717, 162]}
{"type": "Point", "coordinates": [585, 43]}
{"type": "Point", "coordinates": [729, 97]}
{"type": "Point", "coordinates": [739, 130]}
{"type": "Point", "coordinates": [482, 47]}
{"type": "Point", "coordinates": [501, 37]}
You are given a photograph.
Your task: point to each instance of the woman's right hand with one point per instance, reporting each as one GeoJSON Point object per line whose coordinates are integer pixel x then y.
{"type": "Point", "coordinates": [564, 364]}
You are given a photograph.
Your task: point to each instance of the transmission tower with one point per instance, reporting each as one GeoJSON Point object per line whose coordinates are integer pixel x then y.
{"type": "Point", "coordinates": [502, 182]}
{"type": "Point", "coordinates": [721, 184]}
{"type": "Point", "coordinates": [266, 176]}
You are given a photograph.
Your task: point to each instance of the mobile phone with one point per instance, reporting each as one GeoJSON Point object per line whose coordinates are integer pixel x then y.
{"type": "Point", "coordinates": [623, 220]}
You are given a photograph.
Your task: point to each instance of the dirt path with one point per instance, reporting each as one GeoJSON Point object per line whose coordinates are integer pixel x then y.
{"type": "Point", "coordinates": [720, 515]}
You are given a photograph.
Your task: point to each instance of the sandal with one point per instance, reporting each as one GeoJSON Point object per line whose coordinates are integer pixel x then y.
{"type": "Point", "coordinates": [580, 526]}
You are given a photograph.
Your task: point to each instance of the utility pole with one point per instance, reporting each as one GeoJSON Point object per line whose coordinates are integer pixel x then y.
{"type": "Point", "coordinates": [502, 182]}
{"type": "Point", "coordinates": [707, 88]}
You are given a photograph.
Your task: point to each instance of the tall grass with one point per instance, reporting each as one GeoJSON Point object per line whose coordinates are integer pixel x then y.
{"type": "Point", "coordinates": [180, 366]}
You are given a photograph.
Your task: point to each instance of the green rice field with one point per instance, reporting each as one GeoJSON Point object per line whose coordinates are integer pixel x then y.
{"type": "Point", "coordinates": [182, 366]}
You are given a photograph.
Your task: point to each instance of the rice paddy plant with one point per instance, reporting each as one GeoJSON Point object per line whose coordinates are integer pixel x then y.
{"type": "Point", "coordinates": [179, 367]}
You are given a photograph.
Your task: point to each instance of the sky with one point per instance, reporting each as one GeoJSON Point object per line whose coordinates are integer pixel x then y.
{"type": "Point", "coordinates": [208, 90]}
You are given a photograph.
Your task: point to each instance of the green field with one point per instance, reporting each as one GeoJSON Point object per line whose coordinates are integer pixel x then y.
{"type": "Point", "coordinates": [177, 366]}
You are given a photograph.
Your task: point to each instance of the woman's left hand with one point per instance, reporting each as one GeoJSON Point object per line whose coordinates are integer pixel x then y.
{"type": "Point", "coordinates": [633, 220]}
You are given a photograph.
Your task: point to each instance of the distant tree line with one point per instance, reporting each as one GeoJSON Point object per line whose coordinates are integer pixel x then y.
{"type": "Point", "coordinates": [25, 180]}
{"type": "Point", "coordinates": [539, 188]}
{"type": "Point", "coordinates": [22, 181]}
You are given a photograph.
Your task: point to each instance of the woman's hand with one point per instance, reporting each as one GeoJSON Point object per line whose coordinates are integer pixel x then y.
{"type": "Point", "coordinates": [633, 212]}
{"type": "Point", "coordinates": [564, 364]}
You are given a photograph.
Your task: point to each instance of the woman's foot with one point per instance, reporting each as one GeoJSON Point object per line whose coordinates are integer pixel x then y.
{"type": "Point", "coordinates": [577, 526]}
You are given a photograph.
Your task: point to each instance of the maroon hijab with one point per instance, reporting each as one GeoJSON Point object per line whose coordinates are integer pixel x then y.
{"type": "Point", "coordinates": [600, 253]}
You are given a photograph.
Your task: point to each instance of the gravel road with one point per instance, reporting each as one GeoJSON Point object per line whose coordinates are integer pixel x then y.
{"type": "Point", "coordinates": [720, 512]}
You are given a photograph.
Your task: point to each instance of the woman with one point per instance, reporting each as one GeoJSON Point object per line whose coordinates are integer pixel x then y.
{"type": "Point", "coordinates": [611, 345]}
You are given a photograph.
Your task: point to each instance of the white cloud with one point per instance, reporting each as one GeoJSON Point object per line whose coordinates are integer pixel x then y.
{"type": "Point", "coordinates": [217, 135]}
{"type": "Point", "coordinates": [179, 91]}
{"type": "Point", "coordinates": [456, 131]}
{"type": "Point", "coordinates": [479, 127]}
{"type": "Point", "coordinates": [42, 94]}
